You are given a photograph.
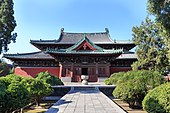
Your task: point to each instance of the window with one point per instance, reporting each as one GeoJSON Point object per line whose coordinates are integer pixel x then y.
{"type": "Point", "coordinates": [102, 71]}
{"type": "Point", "coordinates": [77, 71]}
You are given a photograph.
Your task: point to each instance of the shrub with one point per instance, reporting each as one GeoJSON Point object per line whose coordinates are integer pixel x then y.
{"type": "Point", "coordinates": [158, 100]}
{"type": "Point", "coordinates": [13, 95]}
{"type": "Point", "coordinates": [16, 92]}
{"type": "Point", "coordinates": [48, 78]}
{"type": "Point", "coordinates": [37, 89]}
{"type": "Point", "coordinates": [134, 85]}
{"type": "Point", "coordinates": [4, 70]}
{"type": "Point", "coordinates": [17, 96]}
{"type": "Point", "coordinates": [114, 78]}
{"type": "Point", "coordinates": [3, 89]}
{"type": "Point", "coordinates": [14, 77]}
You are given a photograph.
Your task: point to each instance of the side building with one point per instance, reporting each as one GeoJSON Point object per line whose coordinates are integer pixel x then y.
{"type": "Point", "coordinates": [76, 54]}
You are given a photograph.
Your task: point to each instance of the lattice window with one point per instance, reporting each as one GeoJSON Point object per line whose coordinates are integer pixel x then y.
{"type": "Point", "coordinates": [77, 71]}
{"type": "Point", "coordinates": [102, 71]}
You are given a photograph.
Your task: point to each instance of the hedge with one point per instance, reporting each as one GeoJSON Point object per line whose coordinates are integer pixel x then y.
{"type": "Point", "coordinates": [112, 80]}
{"type": "Point", "coordinates": [16, 92]}
{"type": "Point", "coordinates": [13, 94]}
{"type": "Point", "coordinates": [134, 85]}
{"type": "Point", "coordinates": [158, 100]}
{"type": "Point", "coordinates": [49, 78]}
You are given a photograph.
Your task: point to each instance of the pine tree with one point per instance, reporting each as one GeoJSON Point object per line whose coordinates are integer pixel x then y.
{"type": "Point", "coordinates": [7, 24]}
{"type": "Point", "coordinates": [161, 10]}
{"type": "Point", "coordinates": [151, 48]}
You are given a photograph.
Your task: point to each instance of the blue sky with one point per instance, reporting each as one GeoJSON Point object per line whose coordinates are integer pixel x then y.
{"type": "Point", "coordinates": [43, 19]}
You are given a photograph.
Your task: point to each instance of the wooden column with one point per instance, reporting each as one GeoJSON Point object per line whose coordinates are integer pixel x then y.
{"type": "Point", "coordinates": [108, 70]}
{"type": "Point", "coordinates": [61, 69]}
{"type": "Point", "coordinates": [97, 71]}
{"type": "Point", "coordinates": [72, 70]}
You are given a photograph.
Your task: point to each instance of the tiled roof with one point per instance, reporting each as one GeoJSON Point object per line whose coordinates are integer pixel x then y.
{"type": "Point", "coordinates": [96, 38]}
{"type": "Point", "coordinates": [85, 52]}
{"type": "Point", "coordinates": [72, 38]}
{"type": "Point", "coordinates": [81, 41]}
{"type": "Point", "coordinates": [34, 55]}
{"type": "Point", "coordinates": [72, 49]}
{"type": "Point", "coordinates": [127, 56]}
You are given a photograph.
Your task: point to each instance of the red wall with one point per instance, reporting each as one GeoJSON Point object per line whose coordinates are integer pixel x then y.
{"type": "Point", "coordinates": [32, 71]}
{"type": "Point", "coordinates": [119, 69]}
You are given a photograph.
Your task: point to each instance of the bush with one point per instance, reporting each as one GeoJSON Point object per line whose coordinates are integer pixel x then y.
{"type": "Point", "coordinates": [17, 96]}
{"type": "Point", "coordinates": [13, 95]}
{"type": "Point", "coordinates": [114, 78]}
{"type": "Point", "coordinates": [4, 70]}
{"type": "Point", "coordinates": [158, 100]}
{"type": "Point", "coordinates": [48, 78]}
{"type": "Point", "coordinates": [14, 77]}
{"type": "Point", "coordinates": [37, 89]}
{"type": "Point", "coordinates": [134, 85]}
{"type": "Point", "coordinates": [16, 92]}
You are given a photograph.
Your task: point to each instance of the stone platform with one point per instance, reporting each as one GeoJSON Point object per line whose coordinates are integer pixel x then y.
{"type": "Point", "coordinates": [85, 100]}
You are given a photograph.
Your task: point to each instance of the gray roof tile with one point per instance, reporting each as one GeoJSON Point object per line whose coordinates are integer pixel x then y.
{"type": "Point", "coordinates": [33, 55]}
{"type": "Point", "coordinates": [72, 38]}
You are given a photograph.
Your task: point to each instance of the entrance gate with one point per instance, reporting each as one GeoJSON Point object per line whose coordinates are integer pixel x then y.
{"type": "Point", "coordinates": [90, 71]}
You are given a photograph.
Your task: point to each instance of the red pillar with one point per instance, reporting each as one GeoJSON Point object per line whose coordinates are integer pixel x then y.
{"type": "Point", "coordinates": [61, 69]}
{"type": "Point", "coordinates": [72, 69]}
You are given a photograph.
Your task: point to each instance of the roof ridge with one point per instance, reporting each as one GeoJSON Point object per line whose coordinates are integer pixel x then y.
{"type": "Point", "coordinates": [24, 53]}
{"type": "Point", "coordinates": [84, 38]}
{"type": "Point", "coordinates": [85, 32]}
{"type": "Point", "coordinates": [86, 52]}
{"type": "Point", "coordinates": [42, 40]}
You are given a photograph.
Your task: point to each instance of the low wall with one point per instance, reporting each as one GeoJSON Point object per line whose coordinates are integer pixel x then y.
{"type": "Point", "coordinates": [33, 71]}
{"type": "Point", "coordinates": [62, 90]}
{"type": "Point", "coordinates": [107, 90]}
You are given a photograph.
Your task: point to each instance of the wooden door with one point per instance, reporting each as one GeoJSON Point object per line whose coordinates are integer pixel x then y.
{"type": "Point", "coordinates": [92, 74]}
{"type": "Point", "coordinates": [76, 74]}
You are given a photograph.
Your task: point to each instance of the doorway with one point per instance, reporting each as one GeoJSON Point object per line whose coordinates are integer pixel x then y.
{"type": "Point", "coordinates": [84, 71]}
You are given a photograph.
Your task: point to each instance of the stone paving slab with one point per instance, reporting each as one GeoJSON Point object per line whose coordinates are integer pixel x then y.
{"type": "Point", "coordinates": [85, 101]}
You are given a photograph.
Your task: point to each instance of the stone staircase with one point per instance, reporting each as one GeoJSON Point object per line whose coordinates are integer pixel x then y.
{"type": "Point", "coordinates": [82, 88]}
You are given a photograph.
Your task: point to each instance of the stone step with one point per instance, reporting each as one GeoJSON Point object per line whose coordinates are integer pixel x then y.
{"type": "Point", "coordinates": [84, 88]}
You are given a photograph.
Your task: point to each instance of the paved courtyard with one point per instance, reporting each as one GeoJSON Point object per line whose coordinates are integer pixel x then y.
{"type": "Point", "coordinates": [85, 101]}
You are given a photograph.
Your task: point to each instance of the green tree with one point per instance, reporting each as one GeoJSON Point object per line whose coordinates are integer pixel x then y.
{"type": "Point", "coordinates": [3, 88]}
{"type": "Point", "coordinates": [161, 10]}
{"type": "Point", "coordinates": [17, 96]}
{"type": "Point", "coordinates": [151, 48]}
{"type": "Point", "coordinates": [13, 95]}
{"type": "Point", "coordinates": [49, 78]}
{"type": "Point", "coordinates": [7, 24]}
{"type": "Point", "coordinates": [4, 70]}
{"type": "Point", "coordinates": [158, 99]}
{"type": "Point", "coordinates": [13, 78]}
{"type": "Point", "coordinates": [114, 78]}
{"type": "Point", "coordinates": [134, 85]}
{"type": "Point", "coordinates": [37, 89]}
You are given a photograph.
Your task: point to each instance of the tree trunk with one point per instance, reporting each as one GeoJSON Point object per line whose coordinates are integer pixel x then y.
{"type": "Point", "coordinates": [37, 101]}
